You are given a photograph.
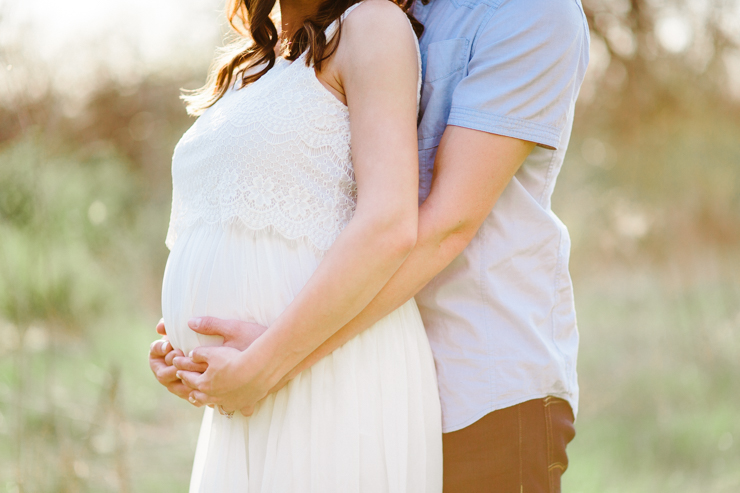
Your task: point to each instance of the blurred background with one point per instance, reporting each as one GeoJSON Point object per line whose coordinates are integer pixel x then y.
{"type": "Point", "coordinates": [89, 116]}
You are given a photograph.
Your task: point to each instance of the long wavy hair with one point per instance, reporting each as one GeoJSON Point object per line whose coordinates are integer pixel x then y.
{"type": "Point", "coordinates": [256, 38]}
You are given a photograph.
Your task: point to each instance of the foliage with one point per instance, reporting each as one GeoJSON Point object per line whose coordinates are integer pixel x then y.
{"type": "Point", "coordinates": [660, 56]}
{"type": "Point", "coordinates": [71, 251]}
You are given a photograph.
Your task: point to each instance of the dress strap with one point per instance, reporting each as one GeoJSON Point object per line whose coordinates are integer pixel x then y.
{"type": "Point", "coordinates": [332, 29]}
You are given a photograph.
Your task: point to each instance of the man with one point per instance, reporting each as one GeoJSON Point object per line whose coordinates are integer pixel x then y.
{"type": "Point", "coordinates": [490, 268]}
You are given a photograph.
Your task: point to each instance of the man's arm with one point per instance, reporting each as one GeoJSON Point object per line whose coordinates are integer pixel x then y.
{"type": "Point", "coordinates": [520, 84]}
{"type": "Point", "coordinates": [471, 170]}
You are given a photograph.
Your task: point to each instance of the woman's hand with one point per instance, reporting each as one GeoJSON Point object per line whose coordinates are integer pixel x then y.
{"type": "Point", "coordinates": [229, 380]}
{"type": "Point", "coordinates": [161, 356]}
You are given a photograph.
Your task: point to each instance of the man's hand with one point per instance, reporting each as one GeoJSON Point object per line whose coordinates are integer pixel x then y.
{"type": "Point", "coordinates": [237, 335]}
{"type": "Point", "coordinates": [161, 356]}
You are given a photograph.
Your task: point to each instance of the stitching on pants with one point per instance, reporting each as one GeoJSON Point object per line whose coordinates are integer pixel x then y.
{"type": "Point", "coordinates": [519, 417]}
{"type": "Point", "coordinates": [556, 465]}
{"type": "Point", "coordinates": [548, 423]}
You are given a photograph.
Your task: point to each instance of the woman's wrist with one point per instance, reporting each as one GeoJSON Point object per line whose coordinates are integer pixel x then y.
{"type": "Point", "coordinates": [263, 364]}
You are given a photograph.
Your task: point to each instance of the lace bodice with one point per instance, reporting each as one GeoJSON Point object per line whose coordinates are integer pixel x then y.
{"type": "Point", "coordinates": [272, 155]}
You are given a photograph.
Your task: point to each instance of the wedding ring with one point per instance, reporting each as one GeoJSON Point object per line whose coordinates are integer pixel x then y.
{"type": "Point", "coordinates": [224, 413]}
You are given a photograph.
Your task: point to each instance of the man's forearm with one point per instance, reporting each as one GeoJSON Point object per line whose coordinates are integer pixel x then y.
{"type": "Point", "coordinates": [472, 169]}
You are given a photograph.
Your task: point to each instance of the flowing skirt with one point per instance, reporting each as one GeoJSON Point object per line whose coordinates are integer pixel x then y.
{"type": "Point", "coordinates": [366, 418]}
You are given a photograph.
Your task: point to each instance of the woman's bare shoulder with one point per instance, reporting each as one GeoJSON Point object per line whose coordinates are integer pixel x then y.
{"type": "Point", "coordinates": [377, 29]}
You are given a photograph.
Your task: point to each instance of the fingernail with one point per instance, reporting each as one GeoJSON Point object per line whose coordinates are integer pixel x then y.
{"type": "Point", "coordinates": [190, 355]}
{"type": "Point", "coordinates": [162, 346]}
{"type": "Point", "coordinates": [194, 323]}
{"type": "Point", "coordinates": [191, 399]}
{"type": "Point", "coordinates": [179, 375]}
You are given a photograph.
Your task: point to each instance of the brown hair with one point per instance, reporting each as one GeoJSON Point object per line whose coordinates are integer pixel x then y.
{"type": "Point", "coordinates": [257, 37]}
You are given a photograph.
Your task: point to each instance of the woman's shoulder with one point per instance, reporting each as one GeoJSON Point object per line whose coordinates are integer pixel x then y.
{"type": "Point", "coordinates": [377, 26]}
{"type": "Point", "coordinates": [375, 10]}
{"type": "Point", "coordinates": [377, 20]}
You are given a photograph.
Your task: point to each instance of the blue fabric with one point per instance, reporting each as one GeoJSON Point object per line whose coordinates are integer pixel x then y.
{"type": "Point", "coordinates": [505, 67]}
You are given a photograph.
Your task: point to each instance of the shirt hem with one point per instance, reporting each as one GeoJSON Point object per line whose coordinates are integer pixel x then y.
{"type": "Point", "coordinates": [538, 133]}
{"type": "Point", "coordinates": [504, 404]}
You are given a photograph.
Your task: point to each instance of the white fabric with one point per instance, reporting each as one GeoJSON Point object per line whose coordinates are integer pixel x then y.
{"type": "Point", "coordinates": [261, 189]}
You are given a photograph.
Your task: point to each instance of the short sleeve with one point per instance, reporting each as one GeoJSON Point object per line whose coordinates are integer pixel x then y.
{"type": "Point", "coordinates": [526, 67]}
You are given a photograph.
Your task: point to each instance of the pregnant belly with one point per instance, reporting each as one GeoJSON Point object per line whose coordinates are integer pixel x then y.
{"type": "Point", "coordinates": [230, 273]}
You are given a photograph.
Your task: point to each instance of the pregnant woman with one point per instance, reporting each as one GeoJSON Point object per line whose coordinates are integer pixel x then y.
{"type": "Point", "coordinates": [294, 202]}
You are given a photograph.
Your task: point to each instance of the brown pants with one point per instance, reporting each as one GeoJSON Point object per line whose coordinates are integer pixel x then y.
{"type": "Point", "coordinates": [520, 449]}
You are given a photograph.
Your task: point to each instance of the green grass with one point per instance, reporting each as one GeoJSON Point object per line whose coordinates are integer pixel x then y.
{"type": "Point", "coordinates": [659, 392]}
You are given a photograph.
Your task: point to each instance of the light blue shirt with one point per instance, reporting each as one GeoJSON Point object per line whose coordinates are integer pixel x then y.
{"type": "Point", "coordinates": [500, 317]}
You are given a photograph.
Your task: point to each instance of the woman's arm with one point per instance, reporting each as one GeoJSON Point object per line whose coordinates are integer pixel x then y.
{"type": "Point", "coordinates": [472, 169]}
{"type": "Point", "coordinates": [376, 67]}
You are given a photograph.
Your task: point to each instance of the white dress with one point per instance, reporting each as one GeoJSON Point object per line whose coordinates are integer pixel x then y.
{"type": "Point", "coordinates": [263, 185]}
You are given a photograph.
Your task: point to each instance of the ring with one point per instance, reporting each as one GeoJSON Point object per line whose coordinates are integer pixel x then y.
{"type": "Point", "coordinates": [221, 411]}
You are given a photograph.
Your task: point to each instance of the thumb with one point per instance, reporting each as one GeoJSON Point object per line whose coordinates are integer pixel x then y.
{"type": "Point", "coordinates": [211, 326]}
{"type": "Point", "coordinates": [189, 378]}
{"type": "Point", "coordinates": [160, 328]}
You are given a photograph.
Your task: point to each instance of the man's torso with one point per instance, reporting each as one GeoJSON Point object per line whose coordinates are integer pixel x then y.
{"type": "Point", "coordinates": [500, 318]}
